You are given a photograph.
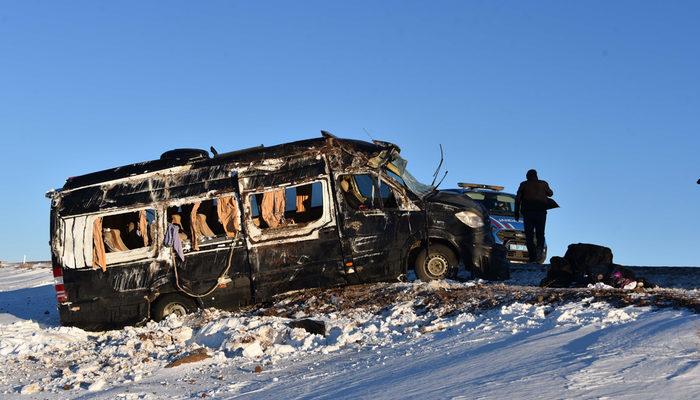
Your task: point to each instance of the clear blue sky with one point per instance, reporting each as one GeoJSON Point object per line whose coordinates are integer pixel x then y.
{"type": "Point", "coordinates": [603, 98]}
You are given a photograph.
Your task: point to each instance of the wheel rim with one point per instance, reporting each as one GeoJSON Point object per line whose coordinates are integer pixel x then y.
{"type": "Point", "coordinates": [437, 265]}
{"type": "Point", "coordinates": [175, 308]}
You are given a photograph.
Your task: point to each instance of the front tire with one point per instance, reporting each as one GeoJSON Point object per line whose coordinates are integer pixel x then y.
{"type": "Point", "coordinates": [172, 304]}
{"type": "Point", "coordinates": [436, 264]}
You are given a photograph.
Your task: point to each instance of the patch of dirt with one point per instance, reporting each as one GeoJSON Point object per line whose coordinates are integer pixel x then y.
{"type": "Point", "coordinates": [457, 298]}
{"type": "Point", "coordinates": [195, 356]}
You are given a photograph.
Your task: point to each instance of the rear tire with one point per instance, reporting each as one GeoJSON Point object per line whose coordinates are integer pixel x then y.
{"type": "Point", "coordinates": [172, 304]}
{"type": "Point", "coordinates": [437, 264]}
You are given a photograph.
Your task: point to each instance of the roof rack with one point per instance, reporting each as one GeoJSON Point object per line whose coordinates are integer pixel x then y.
{"type": "Point", "coordinates": [480, 186]}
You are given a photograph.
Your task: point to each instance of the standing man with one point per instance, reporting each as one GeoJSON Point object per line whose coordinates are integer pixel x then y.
{"type": "Point", "coordinates": [532, 198]}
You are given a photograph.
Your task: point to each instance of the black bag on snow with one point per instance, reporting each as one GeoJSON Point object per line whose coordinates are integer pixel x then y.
{"type": "Point", "coordinates": [583, 254]}
{"type": "Point", "coordinates": [559, 275]}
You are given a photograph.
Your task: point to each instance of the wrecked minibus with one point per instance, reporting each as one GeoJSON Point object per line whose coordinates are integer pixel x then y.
{"type": "Point", "coordinates": [190, 230]}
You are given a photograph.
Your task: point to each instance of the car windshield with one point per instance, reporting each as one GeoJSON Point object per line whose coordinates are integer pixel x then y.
{"type": "Point", "coordinates": [496, 203]}
{"type": "Point", "coordinates": [397, 169]}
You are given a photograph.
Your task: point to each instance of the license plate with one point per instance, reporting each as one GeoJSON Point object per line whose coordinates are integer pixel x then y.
{"type": "Point", "coordinates": [517, 247]}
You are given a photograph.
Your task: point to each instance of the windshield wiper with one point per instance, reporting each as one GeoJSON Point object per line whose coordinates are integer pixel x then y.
{"type": "Point", "coordinates": [437, 170]}
{"type": "Point", "coordinates": [433, 186]}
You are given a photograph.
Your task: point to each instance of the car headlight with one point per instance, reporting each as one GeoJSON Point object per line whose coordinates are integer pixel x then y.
{"type": "Point", "coordinates": [470, 218]}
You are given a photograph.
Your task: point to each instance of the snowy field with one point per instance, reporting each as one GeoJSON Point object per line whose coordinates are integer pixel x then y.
{"type": "Point", "coordinates": [385, 341]}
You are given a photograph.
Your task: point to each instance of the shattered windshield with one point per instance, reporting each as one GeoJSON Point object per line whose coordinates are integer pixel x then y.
{"type": "Point", "coordinates": [398, 167]}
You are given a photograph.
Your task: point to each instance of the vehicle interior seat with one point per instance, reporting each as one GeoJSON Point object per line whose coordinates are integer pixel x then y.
{"type": "Point", "coordinates": [176, 219]}
{"type": "Point", "coordinates": [345, 185]}
{"type": "Point", "coordinates": [351, 194]}
{"type": "Point", "coordinates": [132, 239]}
{"type": "Point", "coordinates": [202, 227]}
{"type": "Point", "coordinates": [113, 240]}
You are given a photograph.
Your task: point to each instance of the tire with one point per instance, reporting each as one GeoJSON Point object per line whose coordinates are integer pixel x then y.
{"type": "Point", "coordinates": [172, 304]}
{"type": "Point", "coordinates": [438, 264]}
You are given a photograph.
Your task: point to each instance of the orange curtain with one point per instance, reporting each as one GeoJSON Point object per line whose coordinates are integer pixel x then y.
{"type": "Point", "coordinates": [143, 227]}
{"type": "Point", "coordinates": [193, 225]}
{"type": "Point", "coordinates": [98, 246]}
{"type": "Point", "coordinates": [272, 208]}
{"type": "Point", "coordinates": [303, 198]}
{"type": "Point", "coordinates": [227, 211]}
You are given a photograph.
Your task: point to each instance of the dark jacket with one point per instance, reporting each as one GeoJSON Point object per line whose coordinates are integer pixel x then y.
{"type": "Point", "coordinates": [532, 196]}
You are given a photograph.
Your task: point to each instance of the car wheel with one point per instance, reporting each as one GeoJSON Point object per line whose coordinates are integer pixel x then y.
{"type": "Point", "coordinates": [172, 304]}
{"type": "Point", "coordinates": [437, 264]}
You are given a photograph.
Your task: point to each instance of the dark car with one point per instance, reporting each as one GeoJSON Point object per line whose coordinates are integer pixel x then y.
{"type": "Point", "coordinates": [506, 229]}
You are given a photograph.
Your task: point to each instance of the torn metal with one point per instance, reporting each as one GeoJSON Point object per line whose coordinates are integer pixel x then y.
{"type": "Point", "coordinates": [252, 224]}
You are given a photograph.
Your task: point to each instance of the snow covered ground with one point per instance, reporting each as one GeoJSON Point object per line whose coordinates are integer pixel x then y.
{"type": "Point", "coordinates": [417, 340]}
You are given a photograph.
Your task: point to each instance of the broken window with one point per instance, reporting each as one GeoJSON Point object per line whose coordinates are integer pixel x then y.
{"type": "Point", "coordinates": [360, 191]}
{"type": "Point", "coordinates": [387, 195]}
{"type": "Point", "coordinates": [395, 177]}
{"type": "Point", "coordinates": [114, 237]}
{"type": "Point", "coordinates": [293, 205]}
{"type": "Point", "coordinates": [366, 192]}
{"type": "Point", "coordinates": [205, 222]}
{"type": "Point", "coordinates": [127, 231]}
{"type": "Point", "coordinates": [227, 211]}
{"type": "Point", "coordinates": [96, 241]}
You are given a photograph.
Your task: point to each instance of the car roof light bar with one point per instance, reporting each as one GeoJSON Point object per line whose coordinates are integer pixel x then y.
{"type": "Point", "coordinates": [480, 186]}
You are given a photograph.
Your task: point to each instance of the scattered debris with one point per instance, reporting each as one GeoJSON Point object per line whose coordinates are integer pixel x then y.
{"type": "Point", "coordinates": [354, 317]}
{"type": "Point", "coordinates": [589, 264]}
{"type": "Point", "coordinates": [194, 356]}
{"type": "Point", "coordinates": [310, 325]}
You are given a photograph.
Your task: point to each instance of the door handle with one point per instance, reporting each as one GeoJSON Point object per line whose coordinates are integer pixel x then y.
{"type": "Point", "coordinates": [303, 259]}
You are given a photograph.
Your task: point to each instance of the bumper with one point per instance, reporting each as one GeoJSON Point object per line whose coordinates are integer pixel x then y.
{"type": "Point", "coordinates": [490, 262]}
{"type": "Point", "coordinates": [514, 243]}
{"type": "Point", "coordinates": [518, 256]}
{"type": "Point", "coordinates": [101, 314]}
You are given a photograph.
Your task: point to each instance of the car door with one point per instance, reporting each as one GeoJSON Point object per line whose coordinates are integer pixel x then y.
{"type": "Point", "coordinates": [293, 238]}
{"type": "Point", "coordinates": [410, 220]}
{"type": "Point", "coordinates": [368, 230]}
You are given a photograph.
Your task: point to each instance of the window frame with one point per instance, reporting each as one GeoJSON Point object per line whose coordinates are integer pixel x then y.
{"type": "Point", "coordinates": [403, 202]}
{"type": "Point", "coordinates": [132, 254]}
{"type": "Point", "coordinates": [375, 183]}
{"type": "Point", "coordinates": [113, 258]}
{"type": "Point", "coordinates": [288, 232]}
{"type": "Point", "coordinates": [203, 247]}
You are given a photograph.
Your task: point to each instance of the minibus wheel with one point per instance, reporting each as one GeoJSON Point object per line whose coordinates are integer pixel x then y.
{"type": "Point", "coordinates": [172, 304]}
{"type": "Point", "coordinates": [435, 265]}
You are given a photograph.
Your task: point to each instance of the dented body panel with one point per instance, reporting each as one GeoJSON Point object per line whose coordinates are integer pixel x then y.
{"type": "Point", "coordinates": [301, 218]}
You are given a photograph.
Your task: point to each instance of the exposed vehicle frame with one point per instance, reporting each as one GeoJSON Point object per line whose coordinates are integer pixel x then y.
{"type": "Point", "coordinates": [251, 224]}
